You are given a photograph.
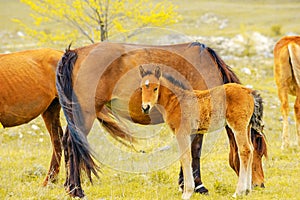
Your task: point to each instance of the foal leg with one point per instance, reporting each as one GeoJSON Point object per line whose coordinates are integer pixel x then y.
{"type": "Point", "coordinates": [297, 116]}
{"type": "Point", "coordinates": [245, 150]}
{"type": "Point", "coordinates": [196, 147]}
{"type": "Point", "coordinates": [186, 161]}
{"type": "Point", "coordinates": [283, 97]}
{"type": "Point", "coordinates": [52, 121]}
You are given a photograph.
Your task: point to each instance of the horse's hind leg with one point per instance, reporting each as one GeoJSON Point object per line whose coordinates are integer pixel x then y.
{"type": "Point", "coordinates": [245, 150]}
{"type": "Point", "coordinates": [234, 161]}
{"type": "Point", "coordinates": [297, 116]}
{"type": "Point", "coordinates": [283, 97]}
{"type": "Point", "coordinates": [52, 121]}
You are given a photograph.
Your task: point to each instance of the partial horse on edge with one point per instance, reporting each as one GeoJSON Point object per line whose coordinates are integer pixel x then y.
{"type": "Point", "coordinates": [186, 112]}
{"type": "Point", "coordinates": [87, 77]}
{"type": "Point", "coordinates": [287, 77]}
{"type": "Point", "coordinates": [27, 90]}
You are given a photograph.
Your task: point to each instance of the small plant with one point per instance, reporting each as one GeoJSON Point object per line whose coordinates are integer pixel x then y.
{"type": "Point", "coordinates": [276, 30]}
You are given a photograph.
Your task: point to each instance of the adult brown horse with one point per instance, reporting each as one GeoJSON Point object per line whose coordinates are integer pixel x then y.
{"type": "Point", "coordinates": [88, 77]}
{"type": "Point", "coordinates": [27, 90]}
{"type": "Point", "coordinates": [287, 77]}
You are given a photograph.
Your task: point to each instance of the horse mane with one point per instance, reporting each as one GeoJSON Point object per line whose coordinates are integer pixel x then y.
{"type": "Point", "coordinates": [171, 79]}
{"type": "Point", "coordinates": [227, 74]}
{"type": "Point", "coordinates": [175, 81]}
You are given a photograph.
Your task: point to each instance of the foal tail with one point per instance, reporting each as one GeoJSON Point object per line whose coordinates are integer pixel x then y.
{"type": "Point", "coordinates": [75, 142]}
{"type": "Point", "coordinates": [257, 126]}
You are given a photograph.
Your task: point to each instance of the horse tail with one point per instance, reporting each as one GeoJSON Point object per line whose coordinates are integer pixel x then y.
{"type": "Point", "coordinates": [293, 51]}
{"type": "Point", "coordinates": [257, 125]}
{"type": "Point", "coordinates": [77, 147]}
{"type": "Point", "coordinates": [228, 75]}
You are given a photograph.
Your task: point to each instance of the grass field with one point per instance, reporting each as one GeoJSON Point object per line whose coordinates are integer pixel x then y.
{"type": "Point", "coordinates": [25, 150]}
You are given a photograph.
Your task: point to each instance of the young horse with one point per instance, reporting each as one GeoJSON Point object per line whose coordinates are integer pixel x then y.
{"type": "Point", "coordinates": [87, 78]}
{"type": "Point", "coordinates": [287, 77]}
{"type": "Point", "coordinates": [187, 112]}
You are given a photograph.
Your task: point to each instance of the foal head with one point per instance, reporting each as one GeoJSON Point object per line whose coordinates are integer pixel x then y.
{"type": "Point", "coordinates": [150, 85]}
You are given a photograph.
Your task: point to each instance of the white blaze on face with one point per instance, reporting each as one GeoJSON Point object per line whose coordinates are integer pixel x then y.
{"type": "Point", "coordinates": [147, 82]}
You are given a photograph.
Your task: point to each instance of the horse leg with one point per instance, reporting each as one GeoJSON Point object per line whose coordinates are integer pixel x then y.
{"type": "Point", "coordinates": [297, 116]}
{"type": "Point", "coordinates": [52, 121]}
{"type": "Point", "coordinates": [186, 162]}
{"type": "Point", "coordinates": [234, 161]}
{"type": "Point", "coordinates": [245, 150]}
{"type": "Point", "coordinates": [283, 97]}
{"type": "Point", "coordinates": [196, 147]}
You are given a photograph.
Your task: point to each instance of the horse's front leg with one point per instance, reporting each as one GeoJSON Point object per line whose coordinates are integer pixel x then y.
{"type": "Point", "coordinates": [186, 162]}
{"type": "Point", "coordinates": [196, 147]}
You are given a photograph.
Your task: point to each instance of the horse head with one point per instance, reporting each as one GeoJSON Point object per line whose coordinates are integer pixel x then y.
{"type": "Point", "coordinates": [150, 88]}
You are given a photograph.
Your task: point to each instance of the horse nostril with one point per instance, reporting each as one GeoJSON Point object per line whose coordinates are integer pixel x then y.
{"type": "Point", "coordinates": [145, 108]}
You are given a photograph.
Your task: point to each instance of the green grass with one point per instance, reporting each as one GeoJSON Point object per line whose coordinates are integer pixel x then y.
{"type": "Point", "coordinates": [25, 152]}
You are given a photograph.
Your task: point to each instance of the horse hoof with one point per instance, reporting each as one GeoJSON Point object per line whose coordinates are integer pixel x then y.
{"type": "Point", "coordinates": [186, 196]}
{"type": "Point", "coordinates": [201, 189]}
{"type": "Point", "coordinates": [75, 192]}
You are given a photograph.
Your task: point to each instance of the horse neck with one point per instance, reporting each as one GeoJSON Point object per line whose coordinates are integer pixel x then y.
{"type": "Point", "coordinates": [171, 96]}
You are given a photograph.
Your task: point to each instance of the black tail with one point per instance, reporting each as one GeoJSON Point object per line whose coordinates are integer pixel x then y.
{"type": "Point", "coordinates": [78, 147]}
{"type": "Point", "coordinates": [257, 126]}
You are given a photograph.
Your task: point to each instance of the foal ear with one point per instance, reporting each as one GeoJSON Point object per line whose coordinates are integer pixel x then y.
{"type": "Point", "coordinates": [157, 72]}
{"type": "Point", "coordinates": [142, 71]}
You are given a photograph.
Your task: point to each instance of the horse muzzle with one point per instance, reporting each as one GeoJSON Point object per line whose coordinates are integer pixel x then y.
{"type": "Point", "coordinates": [146, 108]}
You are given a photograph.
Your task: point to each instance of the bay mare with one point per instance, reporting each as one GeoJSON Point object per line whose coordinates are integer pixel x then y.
{"type": "Point", "coordinates": [201, 111]}
{"type": "Point", "coordinates": [287, 77]}
{"type": "Point", "coordinates": [92, 76]}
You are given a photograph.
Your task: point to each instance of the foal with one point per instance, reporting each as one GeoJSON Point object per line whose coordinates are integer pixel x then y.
{"type": "Point", "coordinates": [187, 112]}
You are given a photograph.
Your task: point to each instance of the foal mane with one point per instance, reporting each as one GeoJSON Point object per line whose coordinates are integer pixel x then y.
{"type": "Point", "coordinates": [171, 79]}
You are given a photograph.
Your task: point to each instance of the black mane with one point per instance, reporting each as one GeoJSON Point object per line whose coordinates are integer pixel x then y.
{"type": "Point", "coordinates": [170, 78]}
{"type": "Point", "coordinates": [175, 81]}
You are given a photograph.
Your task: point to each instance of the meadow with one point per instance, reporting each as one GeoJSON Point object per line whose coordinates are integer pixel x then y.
{"type": "Point", "coordinates": [25, 150]}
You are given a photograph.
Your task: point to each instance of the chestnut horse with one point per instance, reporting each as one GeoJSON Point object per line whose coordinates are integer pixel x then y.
{"type": "Point", "coordinates": [193, 111]}
{"type": "Point", "coordinates": [287, 77]}
{"type": "Point", "coordinates": [88, 78]}
{"type": "Point", "coordinates": [27, 90]}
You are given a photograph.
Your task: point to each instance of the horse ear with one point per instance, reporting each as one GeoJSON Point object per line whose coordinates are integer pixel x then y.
{"type": "Point", "coordinates": [142, 71]}
{"type": "Point", "coordinates": [157, 72]}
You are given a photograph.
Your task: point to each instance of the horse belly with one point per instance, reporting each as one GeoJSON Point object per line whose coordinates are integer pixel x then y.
{"type": "Point", "coordinates": [17, 109]}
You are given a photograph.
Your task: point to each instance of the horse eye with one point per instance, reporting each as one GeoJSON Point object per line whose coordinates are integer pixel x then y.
{"type": "Point", "coordinates": [155, 89]}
